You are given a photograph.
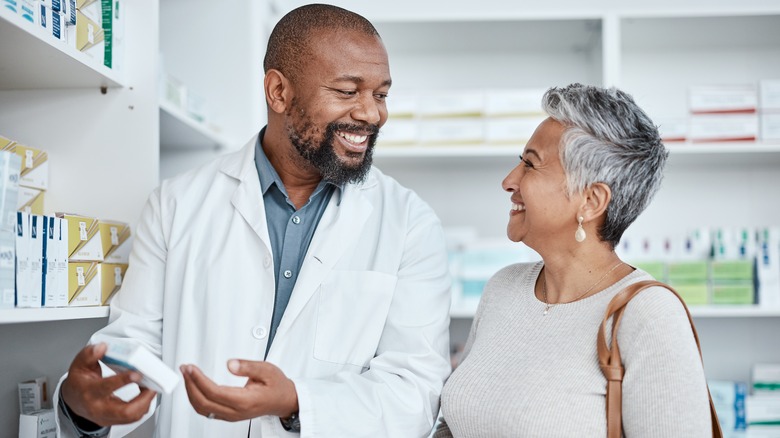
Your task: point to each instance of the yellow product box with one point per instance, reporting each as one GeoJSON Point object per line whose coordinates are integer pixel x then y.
{"type": "Point", "coordinates": [34, 172]}
{"type": "Point", "coordinates": [87, 36]}
{"type": "Point", "coordinates": [116, 241]}
{"type": "Point", "coordinates": [30, 200]}
{"type": "Point", "coordinates": [452, 131]}
{"type": "Point", "coordinates": [84, 239]}
{"type": "Point", "coordinates": [510, 130]}
{"type": "Point", "coordinates": [111, 275]}
{"type": "Point", "coordinates": [84, 285]}
{"type": "Point", "coordinates": [452, 104]}
{"type": "Point", "coordinates": [515, 102]}
{"type": "Point", "coordinates": [93, 9]}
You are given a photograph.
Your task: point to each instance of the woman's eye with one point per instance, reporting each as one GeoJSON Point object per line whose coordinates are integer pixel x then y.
{"type": "Point", "coordinates": [526, 162]}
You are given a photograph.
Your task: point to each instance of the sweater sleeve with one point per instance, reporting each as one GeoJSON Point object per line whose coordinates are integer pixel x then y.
{"type": "Point", "coordinates": [664, 388]}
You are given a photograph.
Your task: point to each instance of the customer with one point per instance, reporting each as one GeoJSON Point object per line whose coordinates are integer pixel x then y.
{"type": "Point", "coordinates": [530, 367]}
{"type": "Point", "coordinates": [298, 215]}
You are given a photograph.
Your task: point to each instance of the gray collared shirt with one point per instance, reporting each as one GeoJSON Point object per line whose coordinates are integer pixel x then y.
{"type": "Point", "coordinates": [290, 230]}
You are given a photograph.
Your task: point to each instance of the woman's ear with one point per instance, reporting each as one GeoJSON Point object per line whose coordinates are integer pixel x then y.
{"type": "Point", "coordinates": [597, 198]}
{"type": "Point", "coordinates": [278, 91]}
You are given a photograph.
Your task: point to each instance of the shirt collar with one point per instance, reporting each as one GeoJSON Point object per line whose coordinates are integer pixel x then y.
{"type": "Point", "coordinates": [269, 176]}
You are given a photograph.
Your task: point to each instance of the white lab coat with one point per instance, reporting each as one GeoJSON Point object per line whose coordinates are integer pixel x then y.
{"type": "Point", "coordinates": [365, 334]}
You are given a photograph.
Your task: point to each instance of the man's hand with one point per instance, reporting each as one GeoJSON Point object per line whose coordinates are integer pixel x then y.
{"type": "Point", "coordinates": [267, 392]}
{"type": "Point", "coordinates": [88, 394]}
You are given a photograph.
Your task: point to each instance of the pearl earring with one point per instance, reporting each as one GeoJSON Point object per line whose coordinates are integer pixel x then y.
{"type": "Point", "coordinates": [579, 235]}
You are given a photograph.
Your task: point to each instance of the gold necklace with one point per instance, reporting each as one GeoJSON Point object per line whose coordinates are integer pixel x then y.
{"type": "Point", "coordinates": [548, 306]}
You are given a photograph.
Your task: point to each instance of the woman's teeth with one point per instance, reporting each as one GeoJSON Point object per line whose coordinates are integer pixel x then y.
{"type": "Point", "coordinates": [518, 207]}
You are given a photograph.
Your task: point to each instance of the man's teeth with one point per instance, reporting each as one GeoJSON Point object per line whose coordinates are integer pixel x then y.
{"type": "Point", "coordinates": [352, 138]}
{"type": "Point", "coordinates": [518, 207]}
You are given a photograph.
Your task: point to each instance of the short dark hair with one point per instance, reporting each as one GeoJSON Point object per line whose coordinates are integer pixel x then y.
{"type": "Point", "coordinates": [289, 43]}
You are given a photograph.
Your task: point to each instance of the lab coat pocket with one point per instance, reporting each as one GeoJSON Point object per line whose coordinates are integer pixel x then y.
{"type": "Point", "coordinates": [353, 307]}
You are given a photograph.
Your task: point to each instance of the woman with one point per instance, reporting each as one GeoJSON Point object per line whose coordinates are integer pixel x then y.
{"type": "Point", "coordinates": [530, 366]}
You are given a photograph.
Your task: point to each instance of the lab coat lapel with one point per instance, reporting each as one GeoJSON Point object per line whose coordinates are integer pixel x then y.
{"type": "Point", "coordinates": [248, 197]}
{"type": "Point", "coordinates": [340, 225]}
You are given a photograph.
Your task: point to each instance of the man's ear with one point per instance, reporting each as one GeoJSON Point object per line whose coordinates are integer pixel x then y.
{"type": "Point", "coordinates": [278, 91]}
{"type": "Point", "coordinates": [597, 198]}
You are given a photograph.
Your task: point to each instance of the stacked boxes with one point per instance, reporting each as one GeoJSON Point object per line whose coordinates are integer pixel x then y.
{"type": "Point", "coordinates": [41, 242]}
{"type": "Point", "coordinates": [723, 113]}
{"type": "Point", "coordinates": [33, 175]}
{"type": "Point", "coordinates": [769, 109]}
{"type": "Point", "coordinates": [97, 258]}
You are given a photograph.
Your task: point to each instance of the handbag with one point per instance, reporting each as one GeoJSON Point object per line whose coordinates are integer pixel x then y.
{"type": "Point", "coordinates": [612, 366]}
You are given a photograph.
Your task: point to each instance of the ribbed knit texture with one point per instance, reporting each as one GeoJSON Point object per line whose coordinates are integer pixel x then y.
{"type": "Point", "coordinates": [525, 374]}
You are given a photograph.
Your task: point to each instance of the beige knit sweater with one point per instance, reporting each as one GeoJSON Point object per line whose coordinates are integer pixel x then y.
{"type": "Point", "coordinates": [525, 374]}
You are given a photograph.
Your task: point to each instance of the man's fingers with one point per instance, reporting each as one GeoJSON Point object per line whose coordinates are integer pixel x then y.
{"type": "Point", "coordinates": [255, 370]}
{"type": "Point", "coordinates": [89, 355]}
{"type": "Point", "coordinates": [206, 397]}
{"type": "Point", "coordinates": [111, 383]}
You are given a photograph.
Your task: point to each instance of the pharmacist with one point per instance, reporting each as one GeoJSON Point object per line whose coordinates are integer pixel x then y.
{"type": "Point", "coordinates": [361, 347]}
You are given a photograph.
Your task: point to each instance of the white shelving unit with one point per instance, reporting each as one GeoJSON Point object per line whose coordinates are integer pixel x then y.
{"type": "Point", "coordinates": [100, 129]}
{"type": "Point", "coordinates": [180, 131]}
{"type": "Point", "coordinates": [655, 52]}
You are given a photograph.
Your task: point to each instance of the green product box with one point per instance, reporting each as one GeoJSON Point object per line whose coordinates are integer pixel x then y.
{"type": "Point", "coordinates": [694, 294]}
{"type": "Point", "coordinates": [732, 270]}
{"type": "Point", "coordinates": [733, 293]}
{"type": "Point", "coordinates": [692, 271]}
{"type": "Point", "coordinates": [656, 269]}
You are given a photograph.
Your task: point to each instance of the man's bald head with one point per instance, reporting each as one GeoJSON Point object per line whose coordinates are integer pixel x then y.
{"type": "Point", "coordinates": [289, 43]}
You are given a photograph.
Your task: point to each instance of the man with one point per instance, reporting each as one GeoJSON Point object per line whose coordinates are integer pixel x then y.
{"type": "Point", "coordinates": [294, 286]}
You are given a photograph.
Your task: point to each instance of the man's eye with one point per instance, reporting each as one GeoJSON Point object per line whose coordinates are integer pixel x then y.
{"type": "Point", "coordinates": [348, 92]}
{"type": "Point", "coordinates": [381, 96]}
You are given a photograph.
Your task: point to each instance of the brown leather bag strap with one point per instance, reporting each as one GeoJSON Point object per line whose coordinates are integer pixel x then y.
{"type": "Point", "coordinates": [612, 366]}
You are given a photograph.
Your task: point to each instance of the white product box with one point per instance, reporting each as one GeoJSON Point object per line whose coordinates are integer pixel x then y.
{"type": "Point", "coordinates": [127, 355]}
{"type": "Point", "coordinates": [672, 129]}
{"type": "Point", "coordinates": [37, 238]}
{"type": "Point", "coordinates": [84, 288]}
{"type": "Point", "coordinates": [719, 99]}
{"type": "Point", "coordinates": [115, 240]}
{"type": "Point", "coordinates": [27, 10]}
{"type": "Point", "coordinates": [23, 261]}
{"type": "Point", "coordinates": [766, 379]}
{"type": "Point", "coordinates": [402, 105]}
{"type": "Point", "coordinates": [731, 127]}
{"type": "Point", "coordinates": [39, 424]}
{"type": "Point", "coordinates": [770, 126]}
{"type": "Point", "coordinates": [9, 190]}
{"type": "Point", "coordinates": [12, 5]}
{"type": "Point", "coordinates": [400, 132]}
{"type": "Point", "coordinates": [62, 260]}
{"type": "Point", "coordinates": [768, 269]}
{"type": "Point", "coordinates": [453, 104]}
{"type": "Point", "coordinates": [84, 238]}
{"type": "Point", "coordinates": [30, 200]}
{"type": "Point", "coordinates": [452, 131]}
{"type": "Point", "coordinates": [51, 296]}
{"type": "Point", "coordinates": [769, 90]}
{"type": "Point", "coordinates": [33, 395]}
{"type": "Point", "coordinates": [518, 102]}
{"type": "Point", "coordinates": [52, 21]}
{"type": "Point", "coordinates": [728, 397]}
{"type": "Point", "coordinates": [513, 130]}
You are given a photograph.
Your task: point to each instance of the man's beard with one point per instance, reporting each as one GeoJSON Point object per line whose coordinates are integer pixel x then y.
{"type": "Point", "coordinates": [323, 156]}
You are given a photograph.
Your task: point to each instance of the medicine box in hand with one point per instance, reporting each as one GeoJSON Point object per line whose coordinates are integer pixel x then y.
{"type": "Point", "coordinates": [125, 355]}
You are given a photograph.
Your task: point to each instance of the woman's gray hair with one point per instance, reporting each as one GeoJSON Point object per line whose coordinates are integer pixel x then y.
{"type": "Point", "coordinates": [608, 139]}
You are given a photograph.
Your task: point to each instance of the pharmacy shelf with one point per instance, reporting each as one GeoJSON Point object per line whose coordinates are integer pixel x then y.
{"type": "Point", "coordinates": [32, 59]}
{"type": "Point", "coordinates": [180, 131]}
{"type": "Point", "coordinates": [14, 316]}
{"type": "Point", "coordinates": [466, 309]}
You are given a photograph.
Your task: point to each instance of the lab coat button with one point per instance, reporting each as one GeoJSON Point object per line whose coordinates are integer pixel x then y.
{"type": "Point", "coordinates": [296, 220]}
{"type": "Point", "coordinates": [259, 332]}
{"type": "Point", "coordinates": [287, 274]}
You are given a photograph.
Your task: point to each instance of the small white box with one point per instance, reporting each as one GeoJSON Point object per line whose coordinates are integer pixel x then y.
{"type": "Point", "coordinates": [126, 355]}
{"type": "Point", "coordinates": [23, 261]}
{"type": "Point", "coordinates": [51, 248]}
{"type": "Point", "coordinates": [766, 379]}
{"type": "Point", "coordinates": [400, 132]}
{"type": "Point", "coordinates": [402, 105]}
{"type": "Point", "coordinates": [518, 102]}
{"type": "Point", "coordinates": [722, 99]}
{"type": "Point", "coordinates": [673, 129]}
{"type": "Point", "coordinates": [717, 128]}
{"type": "Point", "coordinates": [452, 131]}
{"type": "Point", "coordinates": [769, 94]}
{"type": "Point", "coordinates": [770, 126]}
{"type": "Point", "coordinates": [33, 395]}
{"type": "Point", "coordinates": [37, 238]}
{"type": "Point", "coordinates": [39, 424]}
{"type": "Point", "coordinates": [52, 21]}
{"type": "Point", "coordinates": [12, 5]}
{"type": "Point", "coordinates": [62, 261]}
{"type": "Point", "coordinates": [453, 104]}
{"type": "Point", "coordinates": [27, 10]}
{"type": "Point", "coordinates": [514, 130]}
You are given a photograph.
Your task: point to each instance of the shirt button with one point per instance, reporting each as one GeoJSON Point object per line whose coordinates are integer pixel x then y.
{"type": "Point", "coordinates": [259, 332]}
{"type": "Point", "coordinates": [287, 274]}
{"type": "Point", "coordinates": [296, 220]}
{"type": "Point", "coordinates": [267, 262]}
